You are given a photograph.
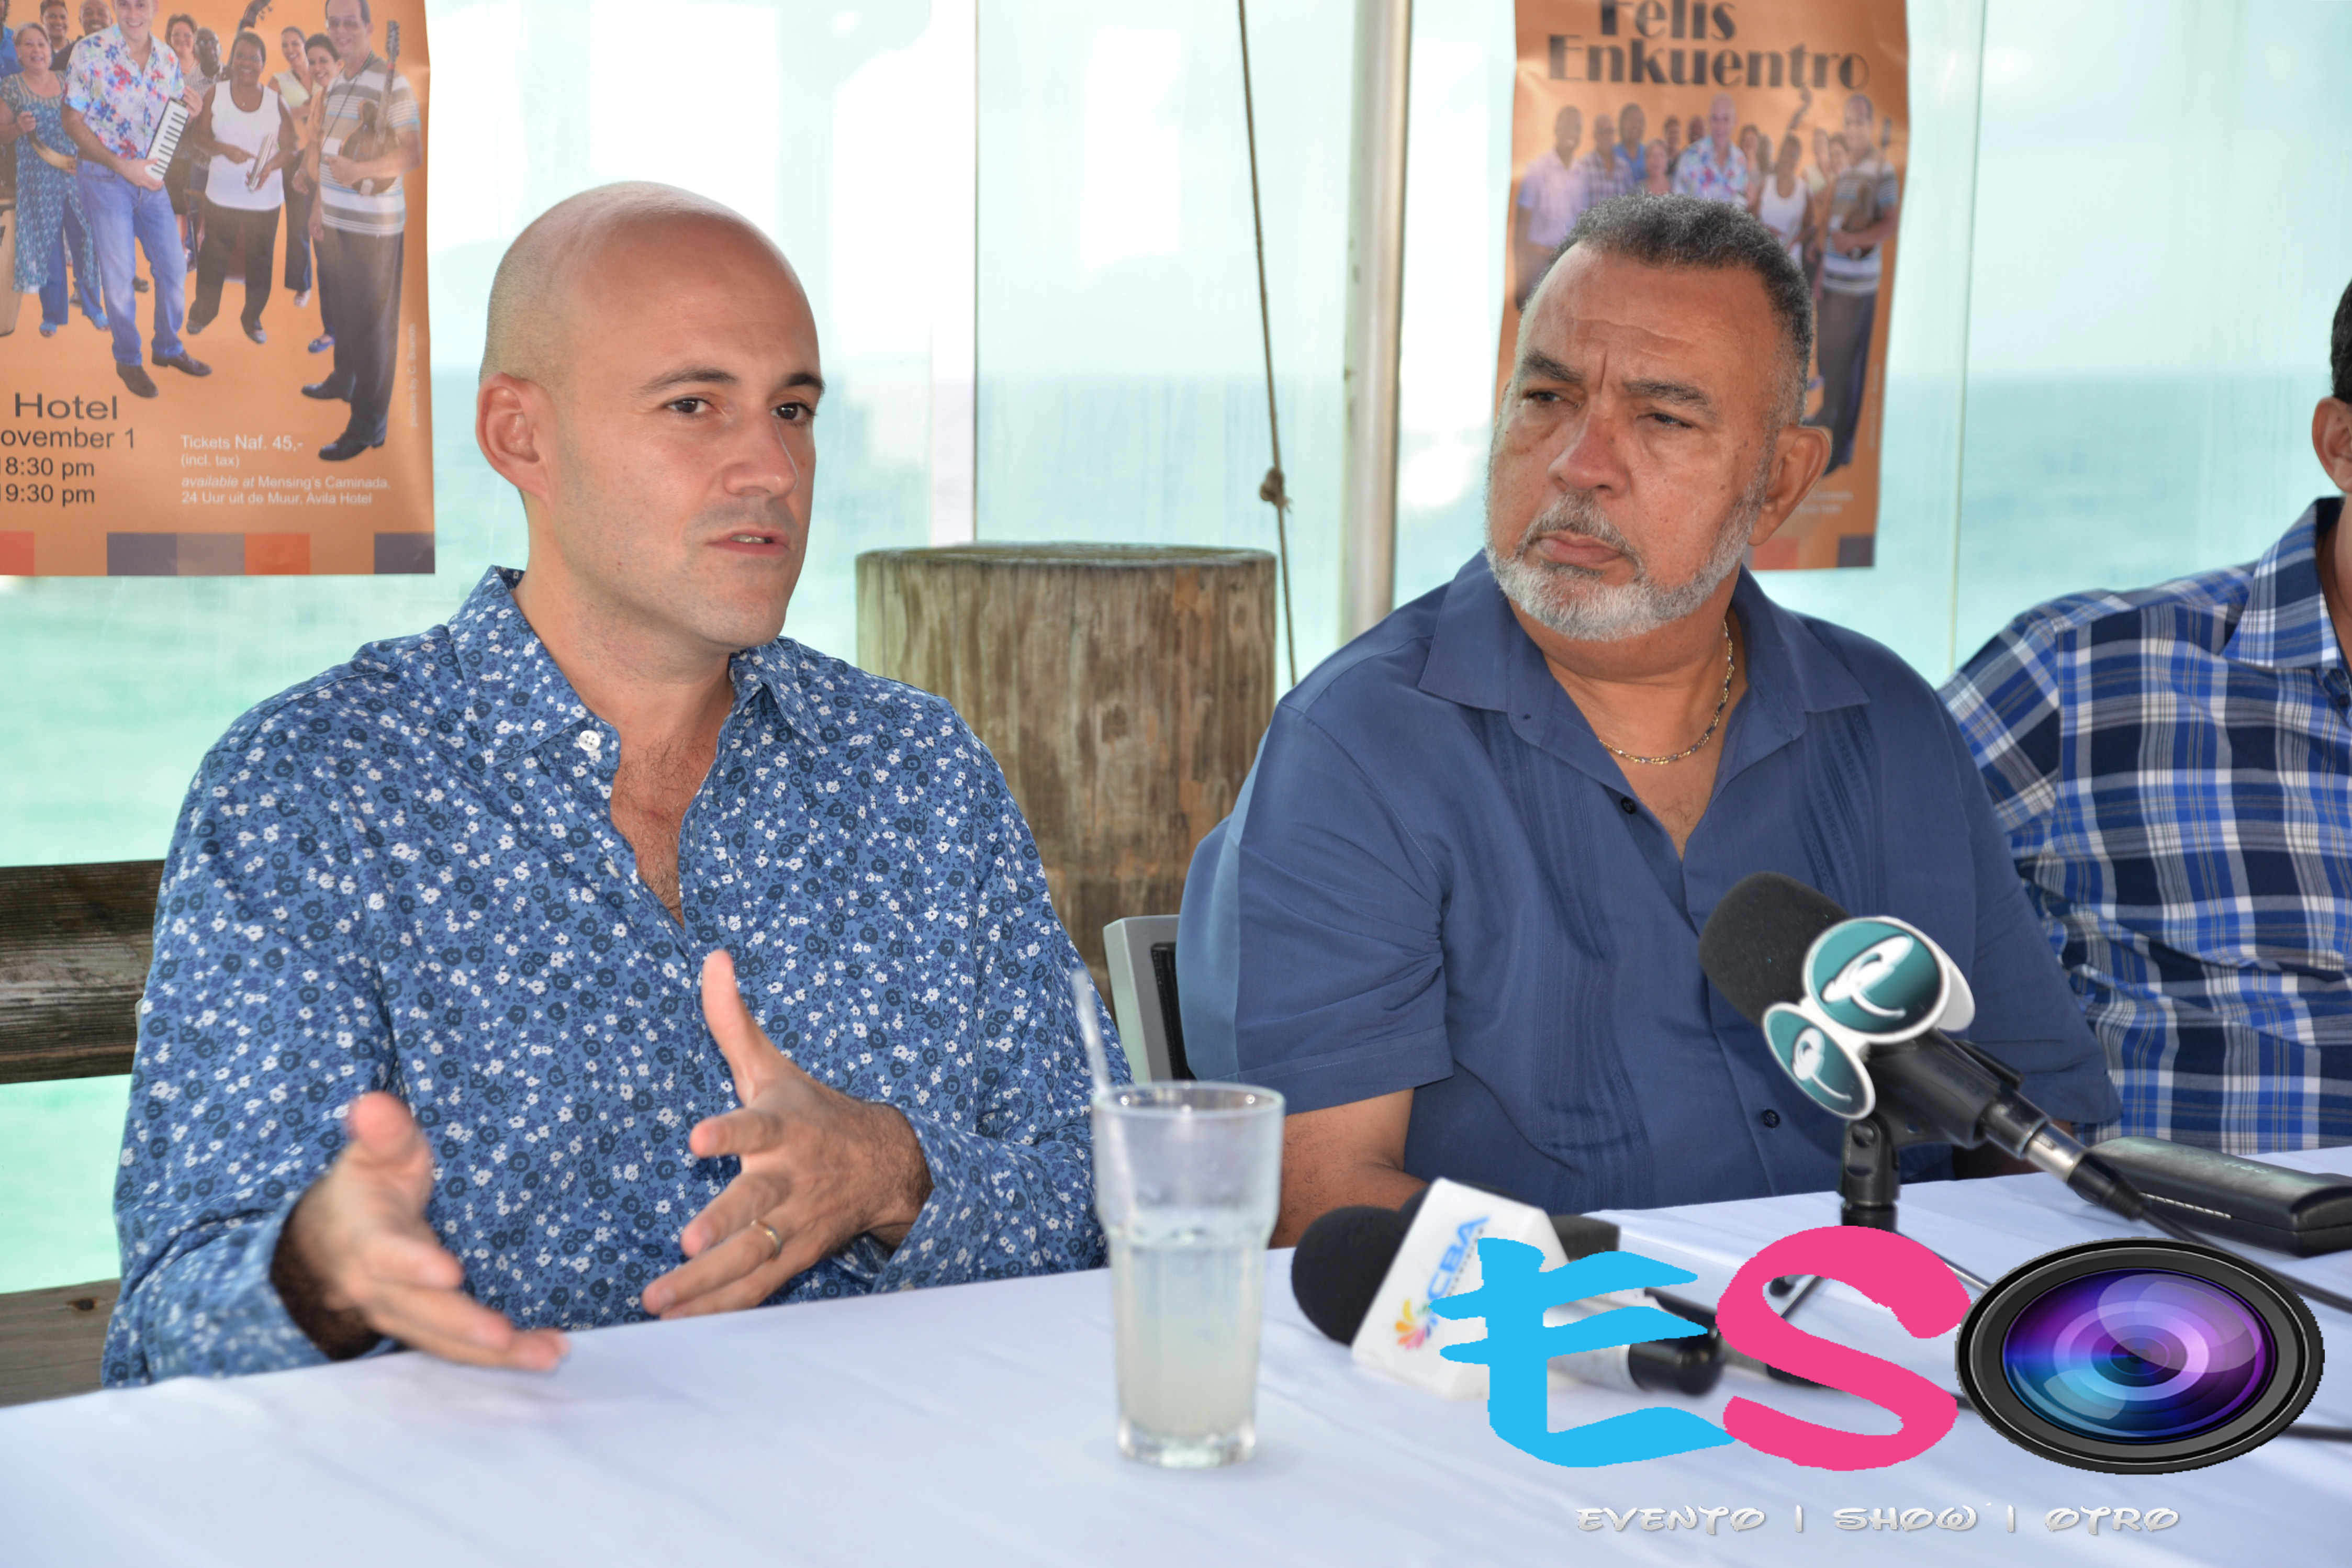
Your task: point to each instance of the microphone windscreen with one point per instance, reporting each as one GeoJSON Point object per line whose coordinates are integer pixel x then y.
{"type": "Point", "coordinates": [1340, 1262]}
{"type": "Point", "coordinates": [1753, 948]}
{"type": "Point", "coordinates": [1580, 1236]}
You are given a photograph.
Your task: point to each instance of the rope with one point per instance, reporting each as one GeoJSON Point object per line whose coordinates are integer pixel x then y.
{"type": "Point", "coordinates": [1270, 489]}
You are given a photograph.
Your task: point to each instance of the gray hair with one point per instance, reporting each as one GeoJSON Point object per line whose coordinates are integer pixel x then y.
{"type": "Point", "coordinates": [1688, 232]}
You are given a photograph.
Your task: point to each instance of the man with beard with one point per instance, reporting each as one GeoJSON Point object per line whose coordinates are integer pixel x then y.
{"type": "Point", "coordinates": [1454, 916]}
{"type": "Point", "coordinates": [600, 955]}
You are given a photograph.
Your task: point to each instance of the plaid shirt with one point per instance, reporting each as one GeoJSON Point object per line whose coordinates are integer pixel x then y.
{"type": "Point", "coordinates": [1602, 183]}
{"type": "Point", "coordinates": [2173, 767]}
{"type": "Point", "coordinates": [121, 100]}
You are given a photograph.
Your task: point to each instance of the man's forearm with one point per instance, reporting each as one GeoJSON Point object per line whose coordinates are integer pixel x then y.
{"type": "Point", "coordinates": [1864, 238]}
{"type": "Point", "coordinates": [998, 1208]}
{"type": "Point", "coordinates": [1314, 1195]}
{"type": "Point", "coordinates": [903, 1177]}
{"type": "Point", "coordinates": [86, 143]}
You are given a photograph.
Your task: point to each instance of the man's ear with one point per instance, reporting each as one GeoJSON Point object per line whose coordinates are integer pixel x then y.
{"type": "Point", "coordinates": [2331, 438]}
{"type": "Point", "coordinates": [1800, 453]}
{"type": "Point", "coordinates": [510, 427]}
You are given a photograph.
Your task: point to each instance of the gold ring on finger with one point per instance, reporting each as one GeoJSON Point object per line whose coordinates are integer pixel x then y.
{"type": "Point", "coordinates": [775, 1240]}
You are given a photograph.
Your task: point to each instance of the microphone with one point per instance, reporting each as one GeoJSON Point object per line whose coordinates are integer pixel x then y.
{"type": "Point", "coordinates": [1830, 990]}
{"type": "Point", "coordinates": [1831, 993]}
{"type": "Point", "coordinates": [1345, 1253]}
{"type": "Point", "coordinates": [1356, 1265]}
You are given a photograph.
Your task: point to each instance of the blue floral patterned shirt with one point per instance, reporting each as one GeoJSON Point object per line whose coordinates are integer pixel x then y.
{"type": "Point", "coordinates": [403, 875]}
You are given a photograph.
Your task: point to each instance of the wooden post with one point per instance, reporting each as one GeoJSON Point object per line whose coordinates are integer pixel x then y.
{"type": "Point", "coordinates": [1122, 688]}
{"type": "Point", "coordinates": [74, 943]}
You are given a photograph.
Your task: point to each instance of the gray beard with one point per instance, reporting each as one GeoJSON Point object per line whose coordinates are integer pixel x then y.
{"type": "Point", "coordinates": [1574, 602]}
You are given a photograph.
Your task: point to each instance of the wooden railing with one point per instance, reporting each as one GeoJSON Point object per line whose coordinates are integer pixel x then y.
{"type": "Point", "coordinates": [75, 941]}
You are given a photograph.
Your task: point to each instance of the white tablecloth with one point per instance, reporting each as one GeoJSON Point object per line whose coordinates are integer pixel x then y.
{"type": "Point", "coordinates": [973, 1424]}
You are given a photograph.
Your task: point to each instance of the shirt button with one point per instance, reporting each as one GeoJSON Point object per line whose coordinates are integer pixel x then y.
{"type": "Point", "coordinates": [1771, 1118]}
{"type": "Point", "coordinates": [1627, 802]}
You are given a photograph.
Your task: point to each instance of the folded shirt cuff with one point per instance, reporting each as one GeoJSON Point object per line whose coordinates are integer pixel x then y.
{"type": "Point", "coordinates": [215, 1313]}
{"type": "Point", "coordinates": [945, 1241]}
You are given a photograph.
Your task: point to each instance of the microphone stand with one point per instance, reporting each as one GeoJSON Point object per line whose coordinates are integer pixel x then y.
{"type": "Point", "coordinates": [1868, 1185]}
{"type": "Point", "coordinates": [1867, 1182]}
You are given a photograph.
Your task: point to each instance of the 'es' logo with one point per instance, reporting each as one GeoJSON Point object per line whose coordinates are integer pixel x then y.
{"type": "Point", "coordinates": [1515, 1290]}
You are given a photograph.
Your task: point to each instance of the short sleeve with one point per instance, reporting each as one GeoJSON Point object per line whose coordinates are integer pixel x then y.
{"type": "Point", "coordinates": [79, 94]}
{"type": "Point", "coordinates": [1333, 912]}
{"type": "Point", "coordinates": [401, 111]}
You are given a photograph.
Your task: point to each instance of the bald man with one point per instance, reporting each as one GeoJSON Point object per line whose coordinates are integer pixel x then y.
{"type": "Point", "coordinates": [1713, 169]}
{"type": "Point", "coordinates": [601, 954]}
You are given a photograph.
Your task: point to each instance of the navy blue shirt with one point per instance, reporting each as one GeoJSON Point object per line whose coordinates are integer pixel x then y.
{"type": "Point", "coordinates": [1436, 878]}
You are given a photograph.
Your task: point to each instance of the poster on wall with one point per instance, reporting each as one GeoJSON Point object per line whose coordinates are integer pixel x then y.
{"type": "Point", "coordinates": [1794, 109]}
{"type": "Point", "coordinates": [214, 352]}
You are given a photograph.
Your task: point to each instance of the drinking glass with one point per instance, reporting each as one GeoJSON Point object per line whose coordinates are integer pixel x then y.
{"type": "Point", "coordinates": [1188, 1177]}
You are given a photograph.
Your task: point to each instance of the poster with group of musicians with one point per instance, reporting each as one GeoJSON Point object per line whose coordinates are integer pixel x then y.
{"type": "Point", "coordinates": [1795, 108]}
{"type": "Point", "coordinates": [214, 352]}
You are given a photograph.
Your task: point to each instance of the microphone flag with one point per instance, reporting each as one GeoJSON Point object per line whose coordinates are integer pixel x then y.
{"type": "Point", "coordinates": [1401, 1337]}
{"type": "Point", "coordinates": [1874, 979]}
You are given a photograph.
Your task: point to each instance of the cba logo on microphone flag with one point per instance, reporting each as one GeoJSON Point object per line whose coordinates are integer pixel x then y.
{"type": "Point", "coordinates": [1514, 1292]}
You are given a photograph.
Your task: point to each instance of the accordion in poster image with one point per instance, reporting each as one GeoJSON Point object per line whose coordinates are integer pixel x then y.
{"type": "Point", "coordinates": [261, 403]}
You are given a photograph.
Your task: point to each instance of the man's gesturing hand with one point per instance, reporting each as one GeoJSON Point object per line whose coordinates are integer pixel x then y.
{"type": "Point", "coordinates": [820, 1169]}
{"type": "Point", "coordinates": [356, 1260]}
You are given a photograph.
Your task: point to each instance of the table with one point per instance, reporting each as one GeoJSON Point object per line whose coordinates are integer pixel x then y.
{"type": "Point", "coordinates": [973, 1424]}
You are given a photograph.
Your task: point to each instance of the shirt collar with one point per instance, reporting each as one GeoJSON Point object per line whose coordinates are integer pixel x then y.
{"type": "Point", "coordinates": [2286, 625]}
{"type": "Point", "coordinates": [517, 699]}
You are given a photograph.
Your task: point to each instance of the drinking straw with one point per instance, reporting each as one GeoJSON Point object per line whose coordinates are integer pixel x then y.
{"type": "Point", "coordinates": [1082, 990]}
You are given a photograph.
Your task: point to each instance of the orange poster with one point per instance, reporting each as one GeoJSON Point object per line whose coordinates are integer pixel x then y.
{"type": "Point", "coordinates": [214, 348]}
{"type": "Point", "coordinates": [1796, 108]}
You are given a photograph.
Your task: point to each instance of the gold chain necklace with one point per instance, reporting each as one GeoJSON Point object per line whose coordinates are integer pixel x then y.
{"type": "Point", "coordinates": [1721, 703]}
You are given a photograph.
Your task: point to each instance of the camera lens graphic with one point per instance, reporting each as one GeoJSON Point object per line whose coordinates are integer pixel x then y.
{"type": "Point", "coordinates": [2140, 1356]}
